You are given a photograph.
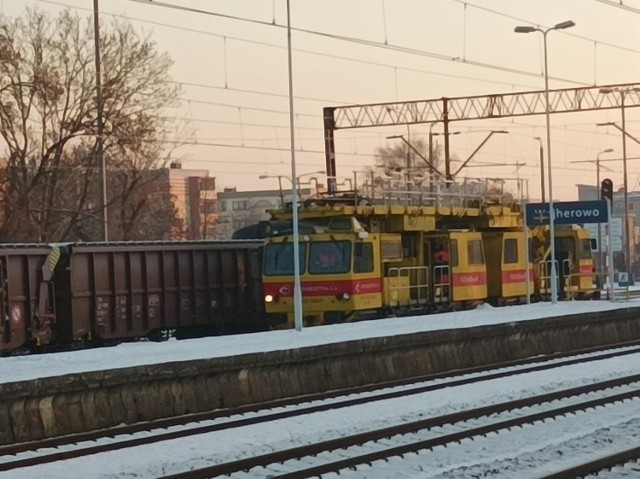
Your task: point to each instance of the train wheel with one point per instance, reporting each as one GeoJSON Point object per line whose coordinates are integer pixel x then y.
{"type": "Point", "coordinates": [159, 335]}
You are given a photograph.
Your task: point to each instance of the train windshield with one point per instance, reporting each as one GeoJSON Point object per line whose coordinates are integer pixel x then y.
{"type": "Point", "coordinates": [330, 257]}
{"type": "Point", "coordinates": [278, 258]}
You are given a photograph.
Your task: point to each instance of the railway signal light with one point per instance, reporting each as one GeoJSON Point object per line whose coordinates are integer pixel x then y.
{"type": "Point", "coordinates": [606, 189]}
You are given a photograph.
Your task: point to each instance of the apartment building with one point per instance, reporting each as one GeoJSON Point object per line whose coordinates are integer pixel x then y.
{"type": "Point", "coordinates": [237, 209]}
{"type": "Point", "coordinates": [194, 196]}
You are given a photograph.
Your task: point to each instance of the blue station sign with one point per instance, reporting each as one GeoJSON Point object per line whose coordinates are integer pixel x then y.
{"type": "Point", "coordinates": [567, 212]}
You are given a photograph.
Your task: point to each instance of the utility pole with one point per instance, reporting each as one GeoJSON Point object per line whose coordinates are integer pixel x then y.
{"type": "Point", "coordinates": [100, 122]}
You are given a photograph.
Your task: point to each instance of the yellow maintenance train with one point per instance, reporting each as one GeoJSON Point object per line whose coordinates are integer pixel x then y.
{"type": "Point", "coordinates": [362, 260]}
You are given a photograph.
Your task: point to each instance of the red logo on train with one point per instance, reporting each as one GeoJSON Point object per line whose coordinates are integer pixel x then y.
{"type": "Point", "coordinates": [285, 290]}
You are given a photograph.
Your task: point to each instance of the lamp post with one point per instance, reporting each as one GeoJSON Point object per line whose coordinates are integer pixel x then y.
{"type": "Point", "coordinates": [297, 288]}
{"type": "Point", "coordinates": [541, 167]}
{"type": "Point", "coordinates": [297, 284]}
{"type": "Point", "coordinates": [100, 122]}
{"type": "Point", "coordinates": [627, 230]}
{"type": "Point", "coordinates": [552, 236]}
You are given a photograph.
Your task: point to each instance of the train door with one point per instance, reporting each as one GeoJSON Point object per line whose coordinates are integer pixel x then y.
{"type": "Point", "coordinates": [468, 267]}
{"type": "Point", "coordinates": [575, 263]}
{"type": "Point", "coordinates": [507, 266]}
{"type": "Point", "coordinates": [5, 325]}
{"type": "Point", "coordinates": [494, 252]}
{"type": "Point", "coordinates": [437, 254]}
{"type": "Point", "coordinates": [586, 270]}
{"type": "Point", "coordinates": [565, 256]}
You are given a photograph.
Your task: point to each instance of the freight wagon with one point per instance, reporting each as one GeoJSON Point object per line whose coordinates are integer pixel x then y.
{"type": "Point", "coordinates": [67, 294]}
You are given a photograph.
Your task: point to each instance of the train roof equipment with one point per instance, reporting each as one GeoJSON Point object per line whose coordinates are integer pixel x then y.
{"type": "Point", "coordinates": [422, 212]}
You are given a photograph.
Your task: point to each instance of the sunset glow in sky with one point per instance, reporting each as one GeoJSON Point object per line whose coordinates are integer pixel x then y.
{"type": "Point", "coordinates": [231, 60]}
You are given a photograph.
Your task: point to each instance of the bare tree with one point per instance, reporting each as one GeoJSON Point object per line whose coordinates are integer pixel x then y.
{"type": "Point", "coordinates": [398, 158]}
{"type": "Point", "coordinates": [48, 121]}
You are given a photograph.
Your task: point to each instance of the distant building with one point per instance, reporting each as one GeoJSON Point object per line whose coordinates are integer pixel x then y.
{"type": "Point", "coordinates": [194, 196]}
{"type": "Point", "coordinates": [237, 209]}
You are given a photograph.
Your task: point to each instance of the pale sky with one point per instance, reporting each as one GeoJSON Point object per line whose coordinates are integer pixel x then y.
{"type": "Point", "coordinates": [232, 64]}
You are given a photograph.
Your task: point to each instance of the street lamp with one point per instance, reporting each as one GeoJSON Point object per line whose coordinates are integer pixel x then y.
{"type": "Point", "coordinates": [297, 287]}
{"type": "Point", "coordinates": [541, 167]}
{"type": "Point", "coordinates": [552, 236]}
{"type": "Point", "coordinates": [627, 236]}
{"type": "Point", "coordinates": [100, 122]}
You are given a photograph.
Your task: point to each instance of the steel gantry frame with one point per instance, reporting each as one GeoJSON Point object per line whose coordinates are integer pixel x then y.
{"type": "Point", "coordinates": [445, 110]}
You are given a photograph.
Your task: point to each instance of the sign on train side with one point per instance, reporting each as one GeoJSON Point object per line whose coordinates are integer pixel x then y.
{"type": "Point", "coordinates": [567, 212]}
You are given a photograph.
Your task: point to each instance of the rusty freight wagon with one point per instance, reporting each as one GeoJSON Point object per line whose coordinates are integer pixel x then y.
{"type": "Point", "coordinates": [23, 282]}
{"type": "Point", "coordinates": [109, 292]}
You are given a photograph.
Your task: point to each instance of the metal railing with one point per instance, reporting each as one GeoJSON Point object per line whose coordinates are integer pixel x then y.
{"type": "Point", "coordinates": [442, 283]}
{"type": "Point", "coordinates": [418, 287]}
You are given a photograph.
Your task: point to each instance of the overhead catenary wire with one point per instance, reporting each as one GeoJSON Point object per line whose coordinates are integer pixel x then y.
{"type": "Point", "coordinates": [310, 52]}
{"type": "Point", "coordinates": [271, 24]}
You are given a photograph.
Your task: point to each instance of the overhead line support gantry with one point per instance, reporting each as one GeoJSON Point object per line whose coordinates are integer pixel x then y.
{"type": "Point", "coordinates": [445, 110]}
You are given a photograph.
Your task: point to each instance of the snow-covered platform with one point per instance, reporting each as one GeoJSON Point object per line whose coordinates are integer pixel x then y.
{"type": "Point", "coordinates": [56, 394]}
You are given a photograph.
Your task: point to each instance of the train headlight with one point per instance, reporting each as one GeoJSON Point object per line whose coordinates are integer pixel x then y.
{"type": "Point", "coordinates": [344, 296]}
{"type": "Point", "coordinates": [268, 298]}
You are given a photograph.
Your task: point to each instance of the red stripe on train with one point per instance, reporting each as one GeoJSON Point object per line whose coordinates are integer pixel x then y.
{"type": "Point", "coordinates": [469, 279]}
{"type": "Point", "coordinates": [326, 288]}
{"type": "Point", "coordinates": [516, 276]}
{"type": "Point", "coordinates": [586, 270]}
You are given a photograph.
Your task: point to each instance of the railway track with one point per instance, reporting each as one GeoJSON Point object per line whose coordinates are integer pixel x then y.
{"type": "Point", "coordinates": [32, 454]}
{"type": "Point", "coordinates": [612, 466]}
{"type": "Point", "coordinates": [416, 436]}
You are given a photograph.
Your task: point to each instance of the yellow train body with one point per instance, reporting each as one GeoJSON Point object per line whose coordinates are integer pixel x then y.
{"type": "Point", "coordinates": [370, 261]}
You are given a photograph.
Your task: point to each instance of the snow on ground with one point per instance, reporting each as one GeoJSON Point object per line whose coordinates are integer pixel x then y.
{"type": "Point", "coordinates": [523, 453]}
{"type": "Point", "coordinates": [514, 460]}
{"type": "Point", "coordinates": [22, 368]}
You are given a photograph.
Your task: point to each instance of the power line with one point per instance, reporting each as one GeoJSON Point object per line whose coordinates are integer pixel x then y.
{"type": "Point", "coordinates": [359, 41]}
{"type": "Point", "coordinates": [310, 52]}
{"type": "Point", "coordinates": [569, 33]}
{"type": "Point", "coordinates": [365, 42]}
{"type": "Point", "coordinates": [242, 107]}
{"type": "Point", "coordinates": [272, 24]}
{"type": "Point", "coordinates": [619, 5]}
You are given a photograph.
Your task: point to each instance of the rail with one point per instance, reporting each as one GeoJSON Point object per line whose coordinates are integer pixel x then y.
{"type": "Point", "coordinates": [376, 391]}
{"type": "Point", "coordinates": [413, 442]}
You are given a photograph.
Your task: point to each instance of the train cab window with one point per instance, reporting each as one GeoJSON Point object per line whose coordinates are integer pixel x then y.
{"type": "Point", "coordinates": [363, 258]}
{"type": "Point", "coordinates": [391, 249]}
{"type": "Point", "coordinates": [409, 249]}
{"type": "Point", "coordinates": [340, 224]}
{"type": "Point", "coordinates": [532, 251]}
{"type": "Point", "coordinates": [510, 251]}
{"type": "Point", "coordinates": [475, 252]}
{"type": "Point", "coordinates": [329, 257]}
{"type": "Point", "coordinates": [278, 259]}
